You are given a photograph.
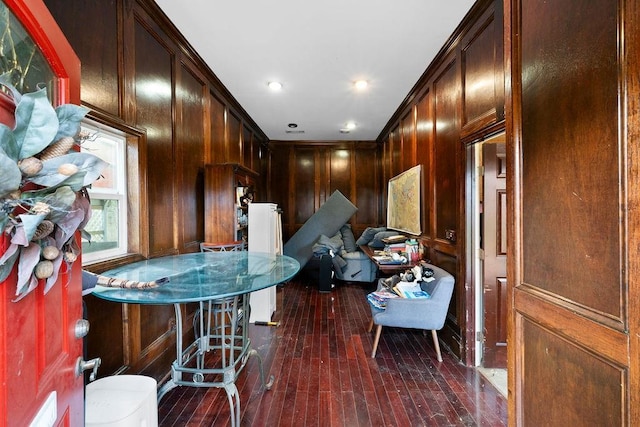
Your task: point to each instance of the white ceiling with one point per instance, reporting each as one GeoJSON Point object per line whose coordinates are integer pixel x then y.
{"type": "Point", "coordinates": [317, 49]}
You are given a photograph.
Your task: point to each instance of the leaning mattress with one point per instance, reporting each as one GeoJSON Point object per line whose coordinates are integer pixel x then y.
{"type": "Point", "coordinates": [332, 215]}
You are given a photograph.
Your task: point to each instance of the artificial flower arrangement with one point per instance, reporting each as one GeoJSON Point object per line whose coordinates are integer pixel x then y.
{"type": "Point", "coordinates": [43, 189]}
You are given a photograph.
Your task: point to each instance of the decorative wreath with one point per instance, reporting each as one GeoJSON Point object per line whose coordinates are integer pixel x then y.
{"type": "Point", "coordinates": [43, 188]}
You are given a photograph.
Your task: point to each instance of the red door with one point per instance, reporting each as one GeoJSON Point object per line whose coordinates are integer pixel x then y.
{"type": "Point", "coordinates": [38, 346]}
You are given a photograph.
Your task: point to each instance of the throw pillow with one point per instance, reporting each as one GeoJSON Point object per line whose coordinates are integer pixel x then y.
{"type": "Point", "coordinates": [334, 243]}
{"type": "Point", "coordinates": [348, 238]}
{"type": "Point", "coordinates": [377, 242]}
{"type": "Point", "coordinates": [368, 234]}
{"type": "Point", "coordinates": [429, 287]}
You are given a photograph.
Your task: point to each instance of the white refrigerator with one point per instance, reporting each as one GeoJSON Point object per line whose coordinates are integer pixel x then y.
{"type": "Point", "coordinates": [265, 235]}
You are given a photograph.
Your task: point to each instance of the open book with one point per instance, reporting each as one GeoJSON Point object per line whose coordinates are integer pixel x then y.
{"type": "Point", "coordinates": [410, 290]}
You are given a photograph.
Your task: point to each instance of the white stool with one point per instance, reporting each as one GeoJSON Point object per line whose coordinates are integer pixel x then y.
{"type": "Point", "coordinates": [122, 401]}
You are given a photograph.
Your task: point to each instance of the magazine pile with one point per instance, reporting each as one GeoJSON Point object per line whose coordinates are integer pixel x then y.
{"type": "Point", "coordinates": [379, 298]}
{"type": "Point", "coordinates": [400, 289]}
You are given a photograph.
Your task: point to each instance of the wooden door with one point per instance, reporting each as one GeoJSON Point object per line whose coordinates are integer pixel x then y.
{"type": "Point", "coordinates": [494, 280]}
{"type": "Point", "coordinates": [38, 346]}
{"type": "Point", "coordinates": [574, 222]}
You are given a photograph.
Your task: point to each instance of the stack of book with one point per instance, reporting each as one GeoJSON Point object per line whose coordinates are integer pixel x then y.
{"type": "Point", "coordinates": [409, 290]}
{"type": "Point", "coordinates": [396, 247]}
{"type": "Point", "coordinates": [379, 299]}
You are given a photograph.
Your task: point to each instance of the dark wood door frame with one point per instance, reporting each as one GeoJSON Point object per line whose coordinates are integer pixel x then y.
{"type": "Point", "coordinates": [473, 331]}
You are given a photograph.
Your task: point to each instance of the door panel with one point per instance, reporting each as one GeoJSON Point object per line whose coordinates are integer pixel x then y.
{"type": "Point", "coordinates": [495, 255]}
{"type": "Point", "coordinates": [38, 346]}
{"type": "Point", "coordinates": [573, 224]}
{"type": "Point", "coordinates": [561, 356]}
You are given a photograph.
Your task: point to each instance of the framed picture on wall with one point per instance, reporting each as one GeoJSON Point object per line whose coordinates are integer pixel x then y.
{"type": "Point", "coordinates": [405, 201]}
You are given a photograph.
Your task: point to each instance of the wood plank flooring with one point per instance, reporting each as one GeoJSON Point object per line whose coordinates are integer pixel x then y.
{"type": "Point", "coordinates": [324, 375]}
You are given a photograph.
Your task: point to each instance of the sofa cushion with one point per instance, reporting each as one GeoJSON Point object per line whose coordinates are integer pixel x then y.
{"type": "Point", "coordinates": [368, 234]}
{"type": "Point", "coordinates": [348, 239]}
{"type": "Point", "coordinates": [355, 256]}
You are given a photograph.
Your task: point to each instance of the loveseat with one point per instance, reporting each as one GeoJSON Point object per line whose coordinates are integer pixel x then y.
{"type": "Point", "coordinates": [349, 263]}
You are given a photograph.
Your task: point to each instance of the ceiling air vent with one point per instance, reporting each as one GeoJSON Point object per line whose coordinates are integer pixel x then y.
{"type": "Point", "coordinates": [293, 131]}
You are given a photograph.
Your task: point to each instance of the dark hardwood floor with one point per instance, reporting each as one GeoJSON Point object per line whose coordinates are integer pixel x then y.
{"type": "Point", "coordinates": [324, 375]}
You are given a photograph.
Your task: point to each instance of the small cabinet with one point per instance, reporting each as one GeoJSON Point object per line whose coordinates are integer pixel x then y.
{"type": "Point", "coordinates": [229, 187]}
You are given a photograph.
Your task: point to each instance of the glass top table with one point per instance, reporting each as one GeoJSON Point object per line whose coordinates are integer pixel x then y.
{"type": "Point", "coordinates": [220, 283]}
{"type": "Point", "coordinates": [199, 277]}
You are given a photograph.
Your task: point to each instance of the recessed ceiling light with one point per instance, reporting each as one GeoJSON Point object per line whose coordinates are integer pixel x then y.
{"type": "Point", "coordinates": [348, 127]}
{"type": "Point", "coordinates": [275, 85]}
{"type": "Point", "coordinates": [361, 84]}
{"type": "Point", "coordinates": [292, 125]}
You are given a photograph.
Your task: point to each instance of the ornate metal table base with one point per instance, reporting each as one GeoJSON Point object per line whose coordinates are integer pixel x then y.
{"type": "Point", "coordinates": [221, 325]}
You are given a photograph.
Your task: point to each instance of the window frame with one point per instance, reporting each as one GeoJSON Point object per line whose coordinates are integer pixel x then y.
{"type": "Point", "coordinates": [136, 195]}
{"type": "Point", "coordinates": [117, 193]}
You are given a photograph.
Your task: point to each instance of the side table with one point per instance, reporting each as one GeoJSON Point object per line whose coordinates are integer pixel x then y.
{"type": "Point", "coordinates": [387, 269]}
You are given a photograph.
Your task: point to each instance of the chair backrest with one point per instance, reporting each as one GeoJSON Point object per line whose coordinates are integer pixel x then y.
{"type": "Point", "coordinates": [441, 298]}
{"type": "Point", "coordinates": [238, 245]}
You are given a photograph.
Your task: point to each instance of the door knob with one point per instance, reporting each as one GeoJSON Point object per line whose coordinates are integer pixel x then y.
{"type": "Point", "coordinates": [82, 328]}
{"type": "Point", "coordinates": [85, 365]}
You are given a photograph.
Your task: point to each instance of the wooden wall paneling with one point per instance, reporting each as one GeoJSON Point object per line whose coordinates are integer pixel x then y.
{"type": "Point", "coordinates": [395, 142]}
{"type": "Point", "coordinates": [499, 69]}
{"type": "Point", "coordinates": [482, 72]}
{"type": "Point", "coordinates": [220, 202]}
{"type": "Point", "coordinates": [447, 152]}
{"type": "Point", "coordinates": [340, 171]}
{"type": "Point", "coordinates": [452, 333]}
{"type": "Point", "coordinates": [387, 173]}
{"type": "Point", "coordinates": [408, 136]}
{"type": "Point", "coordinates": [247, 148]}
{"type": "Point", "coordinates": [571, 245]}
{"type": "Point", "coordinates": [322, 188]}
{"type": "Point", "coordinates": [105, 341]}
{"type": "Point", "coordinates": [188, 54]}
{"type": "Point", "coordinates": [257, 163]}
{"type": "Point", "coordinates": [262, 156]}
{"type": "Point", "coordinates": [366, 187]}
{"type": "Point", "coordinates": [304, 181]}
{"type": "Point", "coordinates": [100, 84]}
{"type": "Point", "coordinates": [191, 92]}
{"type": "Point", "coordinates": [217, 125]}
{"type": "Point", "coordinates": [303, 175]}
{"type": "Point", "coordinates": [154, 111]}
{"type": "Point", "coordinates": [281, 182]}
{"type": "Point", "coordinates": [424, 157]}
{"type": "Point", "coordinates": [234, 138]}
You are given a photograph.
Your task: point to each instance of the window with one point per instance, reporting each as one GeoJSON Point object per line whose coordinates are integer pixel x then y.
{"type": "Point", "coordinates": [108, 223]}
